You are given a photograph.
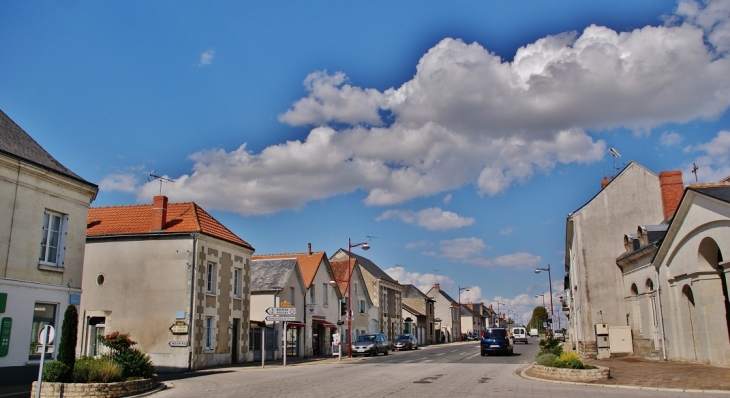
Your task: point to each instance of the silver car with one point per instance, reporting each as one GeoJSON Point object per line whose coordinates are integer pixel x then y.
{"type": "Point", "coordinates": [370, 344]}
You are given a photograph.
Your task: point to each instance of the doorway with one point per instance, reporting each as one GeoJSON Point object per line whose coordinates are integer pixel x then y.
{"type": "Point", "coordinates": [235, 329]}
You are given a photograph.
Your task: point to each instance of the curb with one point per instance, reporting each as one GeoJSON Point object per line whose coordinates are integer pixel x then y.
{"type": "Point", "coordinates": [523, 374]}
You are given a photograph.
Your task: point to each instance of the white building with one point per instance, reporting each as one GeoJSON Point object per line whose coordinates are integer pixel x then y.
{"type": "Point", "coordinates": [43, 208]}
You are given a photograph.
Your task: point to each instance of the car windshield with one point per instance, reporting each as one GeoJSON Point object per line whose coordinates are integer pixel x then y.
{"type": "Point", "coordinates": [402, 337]}
{"type": "Point", "coordinates": [494, 334]}
{"type": "Point", "coordinates": [366, 338]}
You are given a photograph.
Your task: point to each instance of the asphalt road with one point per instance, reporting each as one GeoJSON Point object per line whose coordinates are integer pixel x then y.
{"type": "Point", "coordinates": [450, 370]}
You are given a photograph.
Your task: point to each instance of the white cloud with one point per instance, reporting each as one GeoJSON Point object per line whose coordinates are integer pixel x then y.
{"type": "Point", "coordinates": [469, 117]}
{"type": "Point", "coordinates": [433, 219]}
{"type": "Point", "coordinates": [670, 139]}
{"type": "Point", "coordinates": [447, 198]}
{"type": "Point", "coordinates": [424, 282]}
{"type": "Point", "coordinates": [413, 245]}
{"type": "Point", "coordinates": [507, 231]}
{"type": "Point", "coordinates": [714, 164]}
{"type": "Point", "coordinates": [461, 248]}
{"type": "Point", "coordinates": [473, 295]}
{"type": "Point", "coordinates": [206, 58]}
{"type": "Point", "coordinates": [119, 182]}
{"type": "Point", "coordinates": [519, 260]}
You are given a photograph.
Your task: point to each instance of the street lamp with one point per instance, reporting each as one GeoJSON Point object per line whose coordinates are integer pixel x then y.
{"type": "Point", "coordinates": [499, 315]}
{"type": "Point", "coordinates": [350, 245]}
{"type": "Point", "coordinates": [550, 281]}
{"type": "Point", "coordinates": [461, 335]}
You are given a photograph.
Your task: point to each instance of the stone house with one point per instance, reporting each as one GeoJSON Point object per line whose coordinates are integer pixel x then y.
{"type": "Point", "coordinates": [278, 282]}
{"type": "Point", "coordinates": [419, 307]}
{"type": "Point", "coordinates": [636, 196]}
{"type": "Point", "coordinates": [43, 208]}
{"type": "Point", "coordinates": [446, 312]}
{"type": "Point", "coordinates": [173, 277]}
{"type": "Point", "coordinates": [471, 318]}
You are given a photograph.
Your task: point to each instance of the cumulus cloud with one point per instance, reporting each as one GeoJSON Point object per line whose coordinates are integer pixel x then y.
{"type": "Point", "coordinates": [713, 164]}
{"type": "Point", "coordinates": [206, 58]}
{"type": "Point", "coordinates": [467, 117]}
{"type": "Point", "coordinates": [507, 231]}
{"type": "Point", "coordinates": [413, 245]}
{"type": "Point", "coordinates": [469, 251]}
{"type": "Point", "coordinates": [122, 182]}
{"type": "Point", "coordinates": [519, 260]}
{"type": "Point", "coordinates": [433, 219]}
{"type": "Point", "coordinates": [424, 282]}
{"type": "Point", "coordinates": [670, 139]}
{"type": "Point", "coordinates": [447, 198]}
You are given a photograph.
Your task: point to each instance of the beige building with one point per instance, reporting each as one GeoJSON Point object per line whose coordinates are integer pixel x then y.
{"type": "Point", "coordinates": [364, 314]}
{"type": "Point", "coordinates": [636, 196]}
{"type": "Point", "coordinates": [446, 312]}
{"type": "Point", "coordinates": [43, 208]}
{"type": "Point", "coordinates": [173, 277]}
{"type": "Point", "coordinates": [418, 315]}
{"type": "Point", "coordinates": [384, 292]}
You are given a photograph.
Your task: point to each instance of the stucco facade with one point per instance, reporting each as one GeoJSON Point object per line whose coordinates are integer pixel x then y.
{"type": "Point", "coordinates": [446, 314]}
{"type": "Point", "coordinates": [35, 290]}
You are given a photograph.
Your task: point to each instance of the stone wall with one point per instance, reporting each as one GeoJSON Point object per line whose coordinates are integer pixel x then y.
{"type": "Point", "coordinates": [97, 390]}
{"type": "Point", "coordinates": [602, 373]}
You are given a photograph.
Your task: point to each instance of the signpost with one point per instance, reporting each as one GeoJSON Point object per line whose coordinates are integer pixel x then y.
{"type": "Point", "coordinates": [45, 336]}
{"type": "Point", "coordinates": [281, 318]}
{"type": "Point", "coordinates": [283, 314]}
{"type": "Point", "coordinates": [178, 343]}
{"type": "Point", "coordinates": [281, 311]}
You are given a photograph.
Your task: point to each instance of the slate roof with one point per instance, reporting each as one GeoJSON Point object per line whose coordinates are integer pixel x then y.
{"type": "Point", "coordinates": [135, 220]}
{"type": "Point", "coordinates": [16, 143]}
{"type": "Point", "coordinates": [270, 275]}
{"type": "Point", "coordinates": [308, 263]}
{"type": "Point", "coordinates": [370, 267]}
{"type": "Point", "coordinates": [412, 292]}
{"type": "Point", "coordinates": [465, 310]}
{"type": "Point", "coordinates": [412, 310]}
{"type": "Point", "coordinates": [720, 192]}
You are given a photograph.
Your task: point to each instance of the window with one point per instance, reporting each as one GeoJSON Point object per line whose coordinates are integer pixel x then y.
{"type": "Point", "coordinates": [52, 240]}
{"type": "Point", "coordinates": [210, 278]}
{"type": "Point", "coordinates": [325, 294]}
{"type": "Point", "coordinates": [312, 294]}
{"type": "Point", "coordinates": [237, 273]}
{"type": "Point", "coordinates": [361, 306]}
{"type": "Point", "coordinates": [291, 296]}
{"type": "Point", "coordinates": [43, 314]}
{"type": "Point", "coordinates": [354, 287]}
{"type": "Point", "coordinates": [385, 302]}
{"type": "Point", "coordinates": [209, 332]}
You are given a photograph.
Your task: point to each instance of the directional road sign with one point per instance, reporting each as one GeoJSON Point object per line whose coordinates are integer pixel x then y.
{"type": "Point", "coordinates": [281, 311]}
{"type": "Point", "coordinates": [281, 318]}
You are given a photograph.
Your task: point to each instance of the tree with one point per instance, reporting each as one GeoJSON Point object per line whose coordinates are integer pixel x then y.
{"type": "Point", "coordinates": [69, 333]}
{"type": "Point", "coordinates": [539, 315]}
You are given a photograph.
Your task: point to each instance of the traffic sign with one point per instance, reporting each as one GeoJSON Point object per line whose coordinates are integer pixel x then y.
{"type": "Point", "coordinates": [46, 334]}
{"type": "Point", "coordinates": [281, 311]}
{"type": "Point", "coordinates": [281, 318]}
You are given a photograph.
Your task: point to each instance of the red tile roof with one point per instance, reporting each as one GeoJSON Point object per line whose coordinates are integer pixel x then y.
{"type": "Point", "coordinates": [340, 270]}
{"type": "Point", "coordinates": [137, 220]}
{"type": "Point", "coordinates": [308, 263]}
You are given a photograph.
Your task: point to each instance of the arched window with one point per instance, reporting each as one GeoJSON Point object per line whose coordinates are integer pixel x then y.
{"type": "Point", "coordinates": [709, 257]}
{"type": "Point", "coordinates": [634, 290]}
{"type": "Point", "coordinates": [649, 285]}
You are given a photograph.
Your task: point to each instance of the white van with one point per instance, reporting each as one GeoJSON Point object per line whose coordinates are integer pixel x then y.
{"type": "Point", "coordinates": [519, 334]}
{"type": "Point", "coordinates": [534, 333]}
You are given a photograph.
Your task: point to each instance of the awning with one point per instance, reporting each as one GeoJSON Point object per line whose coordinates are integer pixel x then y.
{"type": "Point", "coordinates": [294, 325]}
{"type": "Point", "coordinates": [325, 323]}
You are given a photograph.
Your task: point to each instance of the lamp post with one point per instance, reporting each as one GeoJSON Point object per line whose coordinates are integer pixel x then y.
{"type": "Point", "coordinates": [550, 281]}
{"type": "Point", "coordinates": [543, 304]}
{"type": "Point", "coordinates": [499, 314]}
{"type": "Point", "coordinates": [350, 245]}
{"type": "Point", "coordinates": [461, 335]}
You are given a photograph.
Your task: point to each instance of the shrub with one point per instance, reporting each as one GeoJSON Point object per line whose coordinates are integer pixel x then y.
{"type": "Point", "coordinates": [550, 345]}
{"type": "Point", "coordinates": [96, 370]}
{"type": "Point", "coordinates": [545, 359]}
{"type": "Point", "coordinates": [134, 363]}
{"type": "Point", "coordinates": [117, 342]}
{"type": "Point", "coordinates": [55, 372]}
{"type": "Point", "coordinates": [69, 333]}
{"type": "Point", "coordinates": [569, 356]}
{"type": "Point", "coordinates": [82, 368]}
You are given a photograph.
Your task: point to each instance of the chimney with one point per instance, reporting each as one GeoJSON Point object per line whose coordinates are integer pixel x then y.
{"type": "Point", "coordinates": [606, 181]}
{"type": "Point", "coordinates": [672, 188]}
{"type": "Point", "coordinates": [159, 213]}
{"type": "Point", "coordinates": [436, 286]}
{"type": "Point", "coordinates": [309, 248]}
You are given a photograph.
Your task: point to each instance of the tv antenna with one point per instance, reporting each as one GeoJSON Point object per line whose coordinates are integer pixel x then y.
{"type": "Point", "coordinates": [615, 154]}
{"type": "Point", "coordinates": [435, 270]}
{"type": "Point", "coordinates": [370, 238]}
{"type": "Point", "coordinates": [153, 177]}
{"type": "Point", "coordinates": [694, 170]}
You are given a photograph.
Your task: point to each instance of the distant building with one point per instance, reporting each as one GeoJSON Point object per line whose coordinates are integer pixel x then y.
{"type": "Point", "coordinates": [43, 208]}
{"type": "Point", "coordinates": [446, 312]}
{"type": "Point", "coordinates": [173, 277]}
{"type": "Point", "coordinates": [418, 315]}
{"type": "Point", "coordinates": [636, 196]}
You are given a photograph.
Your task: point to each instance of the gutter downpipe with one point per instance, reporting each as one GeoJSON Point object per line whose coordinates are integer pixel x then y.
{"type": "Point", "coordinates": [661, 313]}
{"type": "Point", "coordinates": [192, 302]}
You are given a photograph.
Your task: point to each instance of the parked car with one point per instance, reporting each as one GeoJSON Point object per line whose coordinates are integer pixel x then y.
{"type": "Point", "coordinates": [405, 342]}
{"type": "Point", "coordinates": [472, 336]}
{"type": "Point", "coordinates": [559, 336]}
{"type": "Point", "coordinates": [370, 344]}
{"type": "Point", "coordinates": [519, 334]}
{"type": "Point", "coordinates": [534, 333]}
{"type": "Point", "coordinates": [496, 340]}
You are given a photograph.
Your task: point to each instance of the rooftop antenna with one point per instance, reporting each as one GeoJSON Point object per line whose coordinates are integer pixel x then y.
{"type": "Point", "coordinates": [435, 270]}
{"type": "Point", "coordinates": [615, 154]}
{"type": "Point", "coordinates": [694, 170]}
{"type": "Point", "coordinates": [162, 179]}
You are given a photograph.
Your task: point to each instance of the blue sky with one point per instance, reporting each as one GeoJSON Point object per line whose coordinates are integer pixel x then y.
{"type": "Point", "coordinates": [458, 135]}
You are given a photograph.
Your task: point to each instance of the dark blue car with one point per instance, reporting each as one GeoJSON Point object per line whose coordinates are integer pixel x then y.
{"type": "Point", "coordinates": [496, 340]}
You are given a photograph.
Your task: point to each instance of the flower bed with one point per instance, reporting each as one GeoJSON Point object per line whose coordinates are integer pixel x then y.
{"type": "Point", "coordinates": [97, 390]}
{"type": "Point", "coordinates": [584, 375]}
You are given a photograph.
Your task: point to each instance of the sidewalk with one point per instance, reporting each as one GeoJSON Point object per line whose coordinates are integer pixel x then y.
{"type": "Point", "coordinates": [639, 372]}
